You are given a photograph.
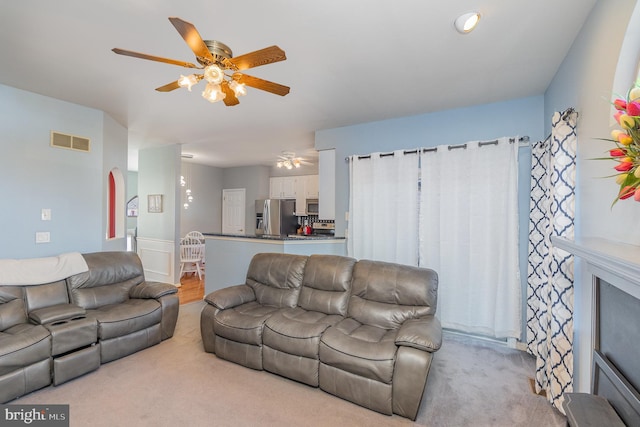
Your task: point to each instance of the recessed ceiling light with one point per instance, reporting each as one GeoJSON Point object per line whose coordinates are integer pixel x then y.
{"type": "Point", "coordinates": [466, 22]}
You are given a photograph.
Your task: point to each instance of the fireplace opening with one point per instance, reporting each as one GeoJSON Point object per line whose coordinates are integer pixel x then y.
{"type": "Point", "coordinates": [616, 365]}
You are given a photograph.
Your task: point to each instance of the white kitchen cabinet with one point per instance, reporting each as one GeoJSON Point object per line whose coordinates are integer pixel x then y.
{"type": "Point", "coordinates": [311, 186]}
{"type": "Point", "coordinates": [327, 184]}
{"type": "Point", "coordinates": [282, 187]}
{"type": "Point", "coordinates": [306, 188]}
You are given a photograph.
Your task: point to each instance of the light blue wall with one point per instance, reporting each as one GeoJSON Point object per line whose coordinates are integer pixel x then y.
{"type": "Point", "coordinates": [205, 213]}
{"type": "Point", "coordinates": [158, 173]}
{"type": "Point", "coordinates": [36, 175]}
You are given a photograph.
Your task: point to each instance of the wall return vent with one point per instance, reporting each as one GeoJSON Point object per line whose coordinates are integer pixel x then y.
{"type": "Point", "coordinates": [73, 142]}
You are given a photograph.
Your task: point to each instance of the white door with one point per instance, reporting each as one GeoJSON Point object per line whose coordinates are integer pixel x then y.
{"type": "Point", "coordinates": [233, 211]}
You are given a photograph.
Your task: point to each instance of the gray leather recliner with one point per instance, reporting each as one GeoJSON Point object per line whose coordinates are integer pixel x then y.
{"type": "Point", "coordinates": [291, 337]}
{"type": "Point", "coordinates": [380, 355]}
{"type": "Point", "coordinates": [273, 283]}
{"type": "Point", "coordinates": [365, 331]}
{"type": "Point", "coordinates": [132, 314]}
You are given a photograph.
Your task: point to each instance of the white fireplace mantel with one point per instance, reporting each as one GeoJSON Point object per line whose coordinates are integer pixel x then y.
{"type": "Point", "coordinates": [618, 263]}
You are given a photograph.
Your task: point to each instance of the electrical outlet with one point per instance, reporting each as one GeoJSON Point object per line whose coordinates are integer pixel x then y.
{"type": "Point", "coordinates": [43, 237]}
{"type": "Point", "coordinates": [46, 214]}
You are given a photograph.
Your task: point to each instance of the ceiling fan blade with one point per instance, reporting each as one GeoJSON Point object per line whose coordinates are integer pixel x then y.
{"type": "Point", "coordinates": [153, 58]}
{"type": "Point", "coordinates": [230, 98]}
{"type": "Point", "coordinates": [261, 84]}
{"type": "Point", "coordinates": [264, 56]}
{"type": "Point", "coordinates": [168, 87]}
{"type": "Point", "coordinates": [189, 33]}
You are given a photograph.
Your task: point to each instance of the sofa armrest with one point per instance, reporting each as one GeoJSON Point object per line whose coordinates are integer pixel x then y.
{"type": "Point", "coordinates": [424, 334]}
{"type": "Point", "coordinates": [152, 290]}
{"type": "Point", "coordinates": [230, 297]}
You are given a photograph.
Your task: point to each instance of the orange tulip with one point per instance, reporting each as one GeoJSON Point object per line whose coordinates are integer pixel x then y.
{"type": "Point", "coordinates": [624, 139]}
{"type": "Point", "coordinates": [624, 166]}
{"type": "Point", "coordinates": [627, 192]}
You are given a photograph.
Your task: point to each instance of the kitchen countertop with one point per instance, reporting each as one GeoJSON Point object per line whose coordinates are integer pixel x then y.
{"type": "Point", "coordinates": [280, 238]}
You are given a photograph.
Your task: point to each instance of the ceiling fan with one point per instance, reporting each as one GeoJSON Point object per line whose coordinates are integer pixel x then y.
{"type": "Point", "coordinates": [217, 61]}
{"type": "Point", "coordinates": [289, 160]}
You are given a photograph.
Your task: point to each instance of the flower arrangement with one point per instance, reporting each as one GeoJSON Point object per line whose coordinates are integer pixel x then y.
{"type": "Point", "coordinates": [626, 154]}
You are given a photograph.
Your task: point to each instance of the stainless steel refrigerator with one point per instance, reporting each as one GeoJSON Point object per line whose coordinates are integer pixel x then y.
{"type": "Point", "coordinates": [275, 217]}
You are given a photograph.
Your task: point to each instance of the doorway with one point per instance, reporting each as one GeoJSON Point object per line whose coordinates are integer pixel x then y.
{"type": "Point", "coordinates": [233, 211]}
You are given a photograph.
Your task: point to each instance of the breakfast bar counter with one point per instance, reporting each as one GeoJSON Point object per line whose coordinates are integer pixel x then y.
{"type": "Point", "coordinates": [228, 256]}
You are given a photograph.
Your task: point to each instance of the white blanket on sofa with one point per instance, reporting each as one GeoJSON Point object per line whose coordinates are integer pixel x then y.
{"type": "Point", "coordinates": [37, 271]}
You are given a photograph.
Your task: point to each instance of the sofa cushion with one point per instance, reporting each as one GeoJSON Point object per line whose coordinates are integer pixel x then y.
{"type": "Point", "coordinates": [297, 331]}
{"type": "Point", "coordinates": [366, 351]}
{"type": "Point", "coordinates": [12, 313]}
{"type": "Point", "coordinates": [384, 294]}
{"type": "Point", "coordinates": [326, 284]}
{"type": "Point", "coordinates": [109, 280]}
{"type": "Point", "coordinates": [22, 345]}
{"type": "Point", "coordinates": [126, 317]}
{"type": "Point", "coordinates": [243, 323]}
{"type": "Point", "coordinates": [276, 278]}
{"type": "Point", "coordinates": [40, 296]}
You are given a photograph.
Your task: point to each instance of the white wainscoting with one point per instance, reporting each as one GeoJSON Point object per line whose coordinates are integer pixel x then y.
{"type": "Point", "coordinates": [158, 259]}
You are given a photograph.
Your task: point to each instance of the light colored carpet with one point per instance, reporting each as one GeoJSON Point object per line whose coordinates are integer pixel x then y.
{"type": "Point", "coordinates": [175, 383]}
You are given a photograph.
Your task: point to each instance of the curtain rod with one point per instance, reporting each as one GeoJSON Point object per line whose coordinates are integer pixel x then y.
{"type": "Point", "coordinates": [522, 139]}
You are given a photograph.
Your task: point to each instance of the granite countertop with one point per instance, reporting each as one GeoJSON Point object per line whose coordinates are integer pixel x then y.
{"type": "Point", "coordinates": [290, 237]}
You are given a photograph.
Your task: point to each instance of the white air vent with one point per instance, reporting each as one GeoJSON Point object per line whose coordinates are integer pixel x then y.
{"type": "Point", "coordinates": [62, 140]}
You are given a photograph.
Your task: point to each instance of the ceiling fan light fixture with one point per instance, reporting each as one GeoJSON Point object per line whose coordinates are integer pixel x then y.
{"type": "Point", "coordinates": [296, 163]}
{"type": "Point", "coordinates": [279, 165]}
{"type": "Point", "coordinates": [466, 22]}
{"type": "Point", "coordinates": [213, 93]}
{"type": "Point", "coordinates": [187, 81]}
{"type": "Point", "coordinates": [238, 88]}
{"type": "Point", "coordinates": [213, 74]}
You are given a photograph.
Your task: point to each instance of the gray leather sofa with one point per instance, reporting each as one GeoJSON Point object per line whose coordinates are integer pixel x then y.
{"type": "Point", "coordinates": [365, 331]}
{"type": "Point", "coordinates": [56, 331]}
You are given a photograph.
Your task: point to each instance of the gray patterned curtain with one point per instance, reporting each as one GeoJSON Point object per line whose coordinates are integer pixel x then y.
{"type": "Point", "coordinates": [550, 272]}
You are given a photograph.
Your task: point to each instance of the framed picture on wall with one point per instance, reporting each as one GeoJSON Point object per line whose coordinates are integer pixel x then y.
{"type": "Point", "coordinates": [154, 203]}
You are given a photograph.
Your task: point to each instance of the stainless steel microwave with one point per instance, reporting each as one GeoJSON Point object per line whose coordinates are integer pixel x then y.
{"type": "Point", "coordinates": [312, 206]}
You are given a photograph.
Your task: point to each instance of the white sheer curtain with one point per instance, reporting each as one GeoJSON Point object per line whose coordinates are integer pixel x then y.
{"type": "Point", "coordinates": [469, 235]}
{"type": "Point", "coordinates": [383, 207]}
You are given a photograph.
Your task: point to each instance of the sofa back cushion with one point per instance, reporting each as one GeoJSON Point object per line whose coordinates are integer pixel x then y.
{"type": "Point", "coordinates": [276, 278]}
{"type": "Point", "coordinates": [384, 295]}
{"type": "Point", "coordinates": [326, 284]}
{"type": "Point", "coordinates": [11, 307]}
{"type": "Point", "coordinates": [110, 277]}
{"type": "Point", "coordinates": [47, 295]}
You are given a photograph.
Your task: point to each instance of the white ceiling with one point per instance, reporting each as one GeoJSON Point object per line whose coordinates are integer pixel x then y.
{"type": "Point", "coordinates": [348, 62]}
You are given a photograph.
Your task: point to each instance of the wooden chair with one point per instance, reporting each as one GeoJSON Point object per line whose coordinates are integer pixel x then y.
{"type": "Point", "coordinates": [197, 235]}
{"type": "Point", "coordinates": [191, 251]}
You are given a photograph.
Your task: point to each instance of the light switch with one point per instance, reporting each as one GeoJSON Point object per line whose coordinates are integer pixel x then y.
{"type": "Point", "coordinates": [46, 214]}
{"type": "Point", "coordinates": [43, 237]}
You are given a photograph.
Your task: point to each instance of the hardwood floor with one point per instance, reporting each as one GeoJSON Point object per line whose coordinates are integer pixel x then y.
{"type": "Point", "coordinates": [192, 288]}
